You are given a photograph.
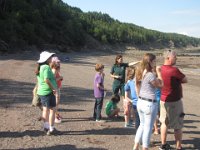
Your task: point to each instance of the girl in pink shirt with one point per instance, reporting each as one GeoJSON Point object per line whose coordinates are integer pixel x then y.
{"type": "Point", "coordinates": [55, 66]}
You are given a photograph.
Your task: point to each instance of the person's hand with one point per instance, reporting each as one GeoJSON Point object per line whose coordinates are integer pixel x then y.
{"type": "Point", "coordinates": [54, 91]}
{"type": "Point", "coordinates": [61, 78]}
{"type": "Point", "coordinates": [158, 69]}
{"type": "Point", "coordinates": [118, 77]}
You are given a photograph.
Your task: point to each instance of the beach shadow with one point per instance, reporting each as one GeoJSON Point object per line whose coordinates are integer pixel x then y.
{"type": "Point", "coordinates": [62, 147]}
{"type": "Point", "coordinates": [31, 133]}
{"type": "Point", "coordinates": [76, 94]}
{"type": "Point", "coordinates": [105, 131]}
{"type": "Point", "coordinates": [75, 119]}
{"type": "Point", "coordinates": [190, 121]}
{"type": "Point", "coordinates": [194, 142]}
{"type": "Point", "coordinates": [14, 92]}
{"type": "Point", "coordinates": [70, 110]}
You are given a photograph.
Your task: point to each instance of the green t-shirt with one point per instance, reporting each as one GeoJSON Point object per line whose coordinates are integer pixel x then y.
{"type": "Point", "coordinates": [45, 73]}
{"type": "Point", "coordinates": [110, 106]}
{"type": "Point", "coordinates": [119, 70]}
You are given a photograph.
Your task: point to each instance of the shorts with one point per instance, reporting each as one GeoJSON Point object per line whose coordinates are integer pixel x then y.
{"type": "Point", "coordinates": [171, 114]}
{"type": "Point", "coordinates": [48, 101]}
{"type": "Point", "coordinates": [127, 107]}
{"type": "Point", "coordinates": [117, 88]}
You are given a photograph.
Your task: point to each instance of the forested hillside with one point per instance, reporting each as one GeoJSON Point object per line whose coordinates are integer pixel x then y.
{"type": "Point", "coordinates": [46, 23]}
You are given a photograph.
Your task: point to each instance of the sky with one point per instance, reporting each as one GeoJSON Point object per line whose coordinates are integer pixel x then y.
{"type": "Point", "coordinates": [171, 16]}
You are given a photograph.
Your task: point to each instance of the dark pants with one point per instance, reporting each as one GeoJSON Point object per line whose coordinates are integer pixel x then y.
{"type": "Point", "coordinates": [116, 88]}
{"type": "Point", "coordinates": [97, 108]}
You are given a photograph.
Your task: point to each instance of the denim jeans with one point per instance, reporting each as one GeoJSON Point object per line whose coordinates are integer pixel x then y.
{"type": "Point", "coordinates": [147, 112]}
{"type": "Point", "coordinates": [97, 108]}
{"type": "Point", "coordinates": [137, 119]}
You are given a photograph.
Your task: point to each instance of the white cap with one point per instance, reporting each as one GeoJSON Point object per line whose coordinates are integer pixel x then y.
{"type": "Point", "coordinates": [44, 56]}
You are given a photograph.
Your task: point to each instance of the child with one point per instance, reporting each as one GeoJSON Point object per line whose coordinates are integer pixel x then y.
{"type": "Point", "coordinates": [158, 94]}
{"type": "Point", "coordinates": [111, 107]}
{"type": "Point", "coordinates": [130, 97]}
{"type": "Point", "coordinates": [55, 66]}
{"type": "Point", "coordinates": [156, 129]}
{"type": "Point", "coordinates": [98, 91]}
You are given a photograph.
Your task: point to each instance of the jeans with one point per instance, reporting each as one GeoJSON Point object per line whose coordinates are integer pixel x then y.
{"type": "Point", "coordinates": [147, 112]}
{"type": "Point", "coordinates": [137, 119]}
{"type": "Point", "coordinates": [97, 108]}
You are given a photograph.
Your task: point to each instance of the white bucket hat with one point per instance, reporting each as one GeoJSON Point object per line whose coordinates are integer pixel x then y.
{"type": "Point", "coordinates": [44, 56]}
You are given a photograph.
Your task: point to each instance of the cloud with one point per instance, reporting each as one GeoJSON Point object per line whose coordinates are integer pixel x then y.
{"type": "Point", "coordinates": [186, 12]}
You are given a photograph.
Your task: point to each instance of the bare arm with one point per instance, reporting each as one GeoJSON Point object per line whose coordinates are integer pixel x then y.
{"type": "Point", "coordinates": [100, 86]}
{"type": "Point", "coordinates": [50, 85]}
{"type": "Point", "coordinates": [158, 82]}
{"type": "Point", "coordinates": [126, 97]}
{"type": "Point", "coordinates": [185, 80]}
{"type": "Point", "coordinates": [133, 63]}
{"type": "Point", "coordinates": [115, 76]}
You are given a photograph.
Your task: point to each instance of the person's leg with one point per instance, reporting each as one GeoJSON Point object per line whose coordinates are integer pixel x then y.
{"type": "Point", "coordinates": [99, 107]}
{"type": "Point", "coordinates": [114, 113]}
{"type": "Point", "coordinates": [164, 123]}
{"type": "Point", "coordinates": [122, 91]}
{"type": "Point", "coordinates": [45, 117]}
{"type": "Point", "coordinates": [150, 112]}
{"type": "Point", "coordinates": [95, 109]}
{"type": "Point", "coordinates": [58, 118]}
{"type": "Point", "coordinates": [137, 119]}
{"type": "Point", "coordinates": [156, 130]}
{"type": "Point", "coordinates": [45, 111]}
{"type": "Point", "coordinates": [115, 89]}
{"type": "Point", "coordinates": [178, 137]}
{"type": "Point", "coordinates": [163, 133]}
{"type": "Point", "coordinates": [179, 113]}
{"type": "Point", "coordinates": [139, 133]}
{"type": "Point", "coordinates": [51, 118]}
{"type": "Point", "coordinates": [126, 115]}
{"type": "Point", "coordinates": [52, 106]}
{"type": "Point", "coordinates": [57, 100]}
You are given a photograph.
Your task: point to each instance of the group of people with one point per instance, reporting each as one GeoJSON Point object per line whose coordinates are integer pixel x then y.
{"type": "Point", "coordinates": [147, 90]}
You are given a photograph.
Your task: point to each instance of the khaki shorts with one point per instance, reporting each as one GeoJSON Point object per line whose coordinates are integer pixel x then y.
{"type": "Point", "coordinates": [171, 114]}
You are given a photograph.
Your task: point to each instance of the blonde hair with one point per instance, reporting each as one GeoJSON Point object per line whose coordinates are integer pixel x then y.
{"type": "Point", "coordinates": [98, 67]}
{"type": "Point", "coordinates": [145, 64]}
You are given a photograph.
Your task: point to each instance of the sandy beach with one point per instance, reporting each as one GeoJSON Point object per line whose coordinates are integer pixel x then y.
{"type": "Point", "coordinates": [19, 125]}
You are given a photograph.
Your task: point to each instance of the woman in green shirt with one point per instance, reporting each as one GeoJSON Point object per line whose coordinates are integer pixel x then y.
{"type": "Point", "coordinates": [47, 89]}
{"type": "Point", "coordinates": [118, 71]}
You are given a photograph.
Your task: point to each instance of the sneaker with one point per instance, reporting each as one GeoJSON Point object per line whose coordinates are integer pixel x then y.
{"type": "Point", "coordinates": [57, 120]}
{"type": "Point", "coordinates": [45, 130]}
{"type": "Point", "coordinates": [156, 132]}
{"type": "Point", "coordinates": [128, 126]}
{"type": "Point", "coordinates": [54, 132]}
{"type": "Point", "coordinates": [58, 116]}
{"type": "Point", "coordinates": [100, 121]}
{"type": "Point", "coordinates": [165, 147]}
